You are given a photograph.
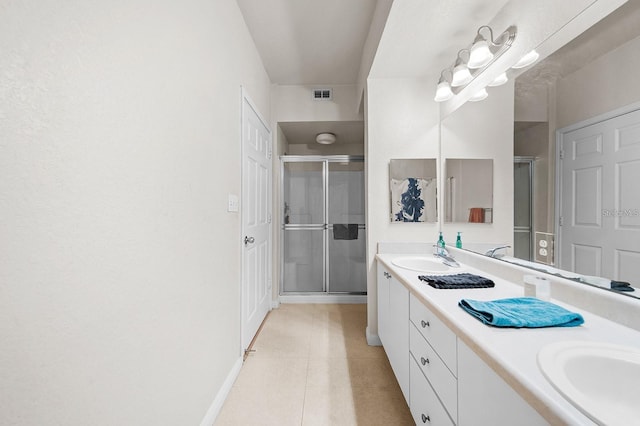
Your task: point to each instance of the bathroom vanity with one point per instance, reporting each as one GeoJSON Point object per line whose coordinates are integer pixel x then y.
{"type": "Point", "coordinates": [455, 370]}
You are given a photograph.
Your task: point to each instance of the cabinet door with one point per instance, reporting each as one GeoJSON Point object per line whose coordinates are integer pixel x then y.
{"type": "Point", "coordinates": [383, 304]}
{"type": "Point", "coordinates": [435, 370]}
{"type": "Point", "coordinates": [398, 334]}
{"type": "Point", "coordinates": [425, 406]}
{"type": "Point", "coordinates": [485, 399]}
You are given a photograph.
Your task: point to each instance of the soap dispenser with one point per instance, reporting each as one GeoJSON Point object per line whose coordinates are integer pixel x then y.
{"type": "Point", "coordinates": [440, 244]}
{"type": "Point", "coordinates": [458, 241]}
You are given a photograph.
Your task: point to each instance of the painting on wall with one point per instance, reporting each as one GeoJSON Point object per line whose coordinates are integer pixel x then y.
{"type": "Point", "coordinates": [413, 200]}
{"type": "Point", "coordinates": [412, 183]}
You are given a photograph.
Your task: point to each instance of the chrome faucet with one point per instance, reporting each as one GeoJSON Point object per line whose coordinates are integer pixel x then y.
{"type": "Point", "coordinates": [446, 258]}
{"type": "Point", "coordinates": [492, 252]}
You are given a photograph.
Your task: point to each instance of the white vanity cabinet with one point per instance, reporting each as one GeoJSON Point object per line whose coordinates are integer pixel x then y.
{"type": "Point", "coordinates": [486, 399]}
{"type": "Point", "coordinates": [393, 325]}
{"type": "Point", "coordinates": [432, 346]}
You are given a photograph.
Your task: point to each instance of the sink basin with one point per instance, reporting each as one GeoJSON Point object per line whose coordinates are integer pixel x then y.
{"type": "Point", "coordinates": [600, 379]}
{"type": "Point", "coordinates": [421, 264]}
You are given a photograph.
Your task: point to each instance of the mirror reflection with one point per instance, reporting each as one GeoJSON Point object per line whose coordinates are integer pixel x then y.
{"type": "Point", "coordinates": [468, 192]}
{"type": "Point", "coordinates": [599, 240]}
{"type": "Point", "coordinates": [412, 183]}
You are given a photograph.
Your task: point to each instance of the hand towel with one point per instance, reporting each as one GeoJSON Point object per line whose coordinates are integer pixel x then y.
{"type": "Point", "coordinates": [342, 231]}
{"type": "Point", "coordinates": [463, 280]}
{"type": "Point", "coordinates": [476, 215]}
{"type": "Point", "coordinates": [521, 312]}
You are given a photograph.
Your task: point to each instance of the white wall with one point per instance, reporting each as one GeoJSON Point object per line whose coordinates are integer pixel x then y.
{"type": "Point", "coordinates": [485, 130]}
{"type": "Point", "coordinates": [295, 103]}
{"type": "Point", "coordinates": [400, 124]}
{"type": "Point", "coordinates": [603, 85]}
{"type": "Point", "coordinates": [119, 265]}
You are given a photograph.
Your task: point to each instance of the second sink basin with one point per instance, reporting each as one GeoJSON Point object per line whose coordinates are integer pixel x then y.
{"type": "Point", "coordinates": [600, 379]}
{"type": "Point", "coordinates": [421, 264]}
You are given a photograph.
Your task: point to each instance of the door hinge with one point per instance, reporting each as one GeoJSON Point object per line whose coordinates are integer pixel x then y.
{"type": "Point", "coordinates": [561, 221]}
{"type": "Point", "coordinates": [268, 217]}
{"type": "Point", "coordinates": [562, 154]}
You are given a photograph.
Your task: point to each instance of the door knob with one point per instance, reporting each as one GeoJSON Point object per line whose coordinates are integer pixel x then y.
{"type": "Point", "coordinates": [249, 240]}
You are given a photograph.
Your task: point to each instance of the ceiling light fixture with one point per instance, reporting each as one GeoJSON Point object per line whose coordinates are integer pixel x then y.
{"type": "Point", "coordinates": [483, 52]}
{"type": "Point", "coordinates": [325, 138]}
{"type": "Point", "coordinates": [526, 60]}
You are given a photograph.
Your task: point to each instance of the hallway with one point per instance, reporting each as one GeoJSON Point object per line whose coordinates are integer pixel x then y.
{"type": "Point", "coordinates": [312, 366]}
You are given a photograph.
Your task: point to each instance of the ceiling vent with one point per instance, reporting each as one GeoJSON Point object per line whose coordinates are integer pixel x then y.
{"type": "Point", "coordinates": [322, 94]}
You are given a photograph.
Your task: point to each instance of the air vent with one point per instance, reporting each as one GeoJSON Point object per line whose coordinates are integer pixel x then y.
{"type": "Point", "coordinates": [322, 94]}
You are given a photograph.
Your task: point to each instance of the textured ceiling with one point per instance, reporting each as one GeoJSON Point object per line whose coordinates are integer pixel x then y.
{"type": "Point", "coordinates": [309, 41]}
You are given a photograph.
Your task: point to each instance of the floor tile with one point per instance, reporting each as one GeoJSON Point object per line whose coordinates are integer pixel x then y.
{"type": "Point", "coordinates": [351, 406]}
{"type": "Point", "coordinates": [311, 365]}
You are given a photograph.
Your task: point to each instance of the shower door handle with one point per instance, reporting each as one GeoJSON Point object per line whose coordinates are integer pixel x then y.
{"type": "Point", "coordinates": [249, 240]}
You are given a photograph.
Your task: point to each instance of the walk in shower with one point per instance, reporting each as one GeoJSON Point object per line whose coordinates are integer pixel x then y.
{"type": "Point", "coordinates": [323, 225]}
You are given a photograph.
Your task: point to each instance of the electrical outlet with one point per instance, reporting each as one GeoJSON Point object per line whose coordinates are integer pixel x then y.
{"type": "Point", "coordinates": [544, 248]}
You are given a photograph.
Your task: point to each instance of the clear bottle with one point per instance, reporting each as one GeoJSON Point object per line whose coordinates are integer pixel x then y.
{"type": "Point", "coordinates": [440, 244]}
{"type": "Point", "coordinates": [458, 241]}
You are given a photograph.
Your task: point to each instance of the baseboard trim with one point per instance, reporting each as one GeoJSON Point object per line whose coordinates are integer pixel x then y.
{"type": "Point", "coordinates": [221, 396]}
{"type": "Point", "coordinates": [373, 339]}
{"type": "Point", "coordinates": [324, 298]}
{"type": "Point", "coordinates": [275, 304]}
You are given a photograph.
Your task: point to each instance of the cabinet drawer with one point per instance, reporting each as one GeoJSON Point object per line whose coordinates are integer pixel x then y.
{"type": "Point", "coordinates": [425, 406]}
{"type": "Point", "coordinates": [439, 336]}
{"type": "Point", "coordinates": [441, 379]}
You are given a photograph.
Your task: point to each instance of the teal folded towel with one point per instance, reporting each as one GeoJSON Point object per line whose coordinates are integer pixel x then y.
{"type": "Point", "coordinates": [521, 312]}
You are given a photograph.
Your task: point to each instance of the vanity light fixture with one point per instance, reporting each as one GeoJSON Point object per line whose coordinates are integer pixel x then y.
{"type": "Point", "coordinates": [527, 60]}
{"type": "Point", "coordinates": [499, 80]}
{"type": "Point", "coordinates": [479, 96]}
{"type": "Point", "coordinates": [325, 138]}
{"type": "Point", "coordinates": [483, 52]}
{"type": "Point", "coordinates": [480, 53]}
{"type": "Point", "coordinates": [461, 74]}
{"type": "Point", "coordinates": [443, 91]}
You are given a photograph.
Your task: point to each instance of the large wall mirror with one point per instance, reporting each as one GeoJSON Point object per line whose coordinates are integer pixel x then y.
{"type": "Point", "coordinates": [561, 92]}
{"type": "Point", "coordinates": [412, 185]}
{"type": "Point", "coordinates": [468, 190]}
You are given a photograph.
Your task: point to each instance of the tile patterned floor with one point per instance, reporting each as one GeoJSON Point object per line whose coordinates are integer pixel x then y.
{"type": "Point", "coordinates": [312, 366]}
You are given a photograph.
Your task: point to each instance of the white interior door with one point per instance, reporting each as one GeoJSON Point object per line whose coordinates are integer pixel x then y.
{"type": "Point", "coordinates": [600, 200]}
{"type": "Point", "coordinates": [256, 220]}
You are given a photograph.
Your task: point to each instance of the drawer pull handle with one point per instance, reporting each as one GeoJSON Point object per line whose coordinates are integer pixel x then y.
{"type": "Point", "coordinates": [425, 419]}
{"type": "Point", "coordinates": [424, 360]}
{"type": "Point", "coordinates": [425, 324]}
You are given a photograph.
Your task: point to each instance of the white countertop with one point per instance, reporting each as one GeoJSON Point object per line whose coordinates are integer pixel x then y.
{"type": "Point", "coordinates": [510, 352]}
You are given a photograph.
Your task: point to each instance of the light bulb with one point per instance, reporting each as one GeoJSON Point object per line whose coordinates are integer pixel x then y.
{"type": "Point", "coordinates": [480, 54]}
{"type": "Point", "coordinates": [499, 80]}
{"type": "Point", "coordinates": [479, 96]}
{"type": "Point", "coordinates": [461, 75]}
{"type": "Point", "coordinates": [527, 60]}
{"type": "Point", "coordinates": [443, 92]}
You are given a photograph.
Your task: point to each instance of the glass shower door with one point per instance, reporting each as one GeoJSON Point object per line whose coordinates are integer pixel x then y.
{"type": "Point", "coordinates": [522, 217]}
{"type": "Point", "coordinates": [346, 227]}
{"type": "Point", "coordinates": [304, 227]}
